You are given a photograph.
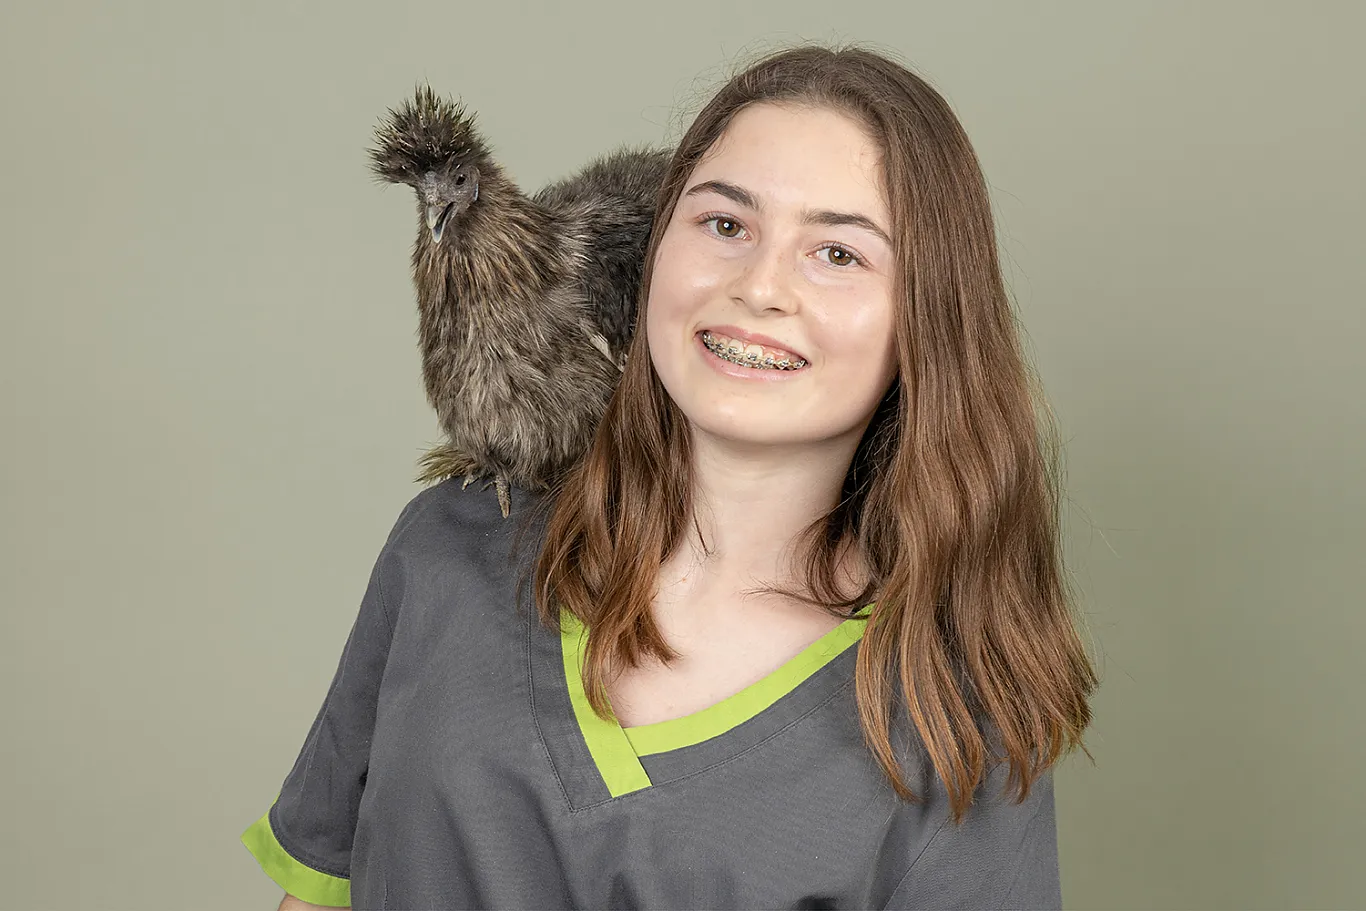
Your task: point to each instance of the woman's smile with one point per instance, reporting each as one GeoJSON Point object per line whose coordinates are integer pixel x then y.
{"type": "Point", "coordinates": [732, 357]}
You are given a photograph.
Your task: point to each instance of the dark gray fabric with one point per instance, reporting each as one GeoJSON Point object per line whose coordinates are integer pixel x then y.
{"type": "Point", "coordinates": [446, 770]}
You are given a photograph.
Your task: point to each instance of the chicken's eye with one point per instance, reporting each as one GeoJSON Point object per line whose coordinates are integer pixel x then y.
{"type": "Point", "coordinates": [727, 228]}
{"type": "Point", "coordinates": [460, 180]}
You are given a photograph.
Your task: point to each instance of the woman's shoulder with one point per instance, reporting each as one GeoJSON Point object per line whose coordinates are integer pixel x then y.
{"type": "Point", "coordinates": [449, 579]}
{"type": "Point", "coordinates": [455, 535]}
{"type": "Point", "coordinates": [449, 512]}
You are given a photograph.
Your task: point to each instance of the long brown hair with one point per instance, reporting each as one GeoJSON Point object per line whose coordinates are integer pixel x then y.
{"type": "Point", "coordinates": [953, 495]}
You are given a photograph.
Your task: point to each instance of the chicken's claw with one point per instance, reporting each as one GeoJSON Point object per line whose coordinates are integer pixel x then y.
{"type": "Point", "coordinates": [504, 493]}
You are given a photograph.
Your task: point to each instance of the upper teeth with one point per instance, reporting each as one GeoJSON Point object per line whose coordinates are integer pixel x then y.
{"type": "Point", "coordinates": [748, 355]}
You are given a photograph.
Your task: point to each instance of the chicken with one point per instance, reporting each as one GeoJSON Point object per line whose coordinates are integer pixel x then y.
{"type": "Point", "coordinates": [526, 304]}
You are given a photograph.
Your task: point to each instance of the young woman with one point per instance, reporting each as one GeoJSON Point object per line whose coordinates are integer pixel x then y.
{"type": "Point", "coordinates": [798, 634]}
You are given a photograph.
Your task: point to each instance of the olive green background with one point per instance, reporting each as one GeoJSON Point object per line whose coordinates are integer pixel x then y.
{"type": "Point", "coordinates": [212, 406]}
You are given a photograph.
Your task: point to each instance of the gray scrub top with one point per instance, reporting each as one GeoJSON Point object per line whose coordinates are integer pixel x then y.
{"type": "Point", "coordinates": [455, 763]}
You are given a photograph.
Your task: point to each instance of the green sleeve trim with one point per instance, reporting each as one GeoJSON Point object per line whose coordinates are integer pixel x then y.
{"type": "Point", "coordinates": [617, 762]}
{"type": "Point", "coordinates": [302, 882]}
{"type": "Point", "coordinates": [647, 739]}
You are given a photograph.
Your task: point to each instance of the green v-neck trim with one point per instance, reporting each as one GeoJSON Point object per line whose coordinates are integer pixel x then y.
{"type": "Point", "coordinates": [617, 762]}
{"type": "Point", "coordinates": [616, 751]}
{"type": "Point", "coordinates": [738, 708]}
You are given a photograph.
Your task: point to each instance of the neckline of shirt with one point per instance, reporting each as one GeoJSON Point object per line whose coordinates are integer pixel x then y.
{"type": "Point", "coordinates": [617, 750]}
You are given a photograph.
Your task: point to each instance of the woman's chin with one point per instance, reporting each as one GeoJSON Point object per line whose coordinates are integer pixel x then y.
{"type": "Point", "coordinates": [750, 434]}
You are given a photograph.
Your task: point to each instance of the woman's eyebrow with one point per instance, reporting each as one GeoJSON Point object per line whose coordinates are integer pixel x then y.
{"type": "Point", "coordinates": [824, 217]}
{"type": "Point", "coordinates": [831, 219]}
{"type": "Point", "coordinates": [738, 195]}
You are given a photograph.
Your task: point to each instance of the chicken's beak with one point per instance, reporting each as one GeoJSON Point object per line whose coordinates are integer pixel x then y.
{"type": "Point", "coordinates": [437, 216]}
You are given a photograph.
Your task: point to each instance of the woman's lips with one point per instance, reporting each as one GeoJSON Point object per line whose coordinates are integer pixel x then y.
{"type": "Point", "coordinates": [758, 371]}
{"type": "Point", "coordinates": [754, 338]}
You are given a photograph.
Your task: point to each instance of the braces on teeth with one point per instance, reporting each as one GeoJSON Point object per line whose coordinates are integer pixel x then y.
{"type": "Point", "coordinates": [750, 360]}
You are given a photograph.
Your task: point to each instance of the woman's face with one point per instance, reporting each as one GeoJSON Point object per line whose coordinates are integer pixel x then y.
{"type": "Point", "coordinates": [780, 242]}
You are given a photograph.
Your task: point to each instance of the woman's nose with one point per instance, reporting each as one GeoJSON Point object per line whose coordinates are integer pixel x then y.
{"type": "Point", "coordinates": [765, 279]}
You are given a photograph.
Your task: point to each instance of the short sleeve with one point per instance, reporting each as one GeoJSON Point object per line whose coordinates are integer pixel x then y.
{"type": "Point", "coordinates": [1003, 855]}
{"type": "Point", "coordinates": [303, 842]}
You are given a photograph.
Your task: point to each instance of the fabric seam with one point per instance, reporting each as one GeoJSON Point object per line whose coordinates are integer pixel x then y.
{"type": "Point", "coordinates": [306, 859]}
{"type": "Point", "coordinates": [902, 881]}
{"type": "Point", "coordinates": [1019, 861]}
{"type": "Point", "coordinates": [535, 719]}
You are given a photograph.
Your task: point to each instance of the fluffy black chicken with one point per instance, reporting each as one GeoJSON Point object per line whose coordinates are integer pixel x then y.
{"type": "Point", "coordinates": [526, 304]}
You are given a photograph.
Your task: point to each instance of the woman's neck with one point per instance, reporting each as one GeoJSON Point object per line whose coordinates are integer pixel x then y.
{"type": "Point", "coordinates": [750, 504]}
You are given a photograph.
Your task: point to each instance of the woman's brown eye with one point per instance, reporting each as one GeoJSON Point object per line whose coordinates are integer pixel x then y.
{"type": "Point", "coordinates": [841, 257]}
{"type": "Point", "coordinates": [727, 228]}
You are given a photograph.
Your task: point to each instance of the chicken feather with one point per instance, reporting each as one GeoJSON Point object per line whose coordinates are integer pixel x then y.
{"type": "Point", "coordinates": [526, 304]}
